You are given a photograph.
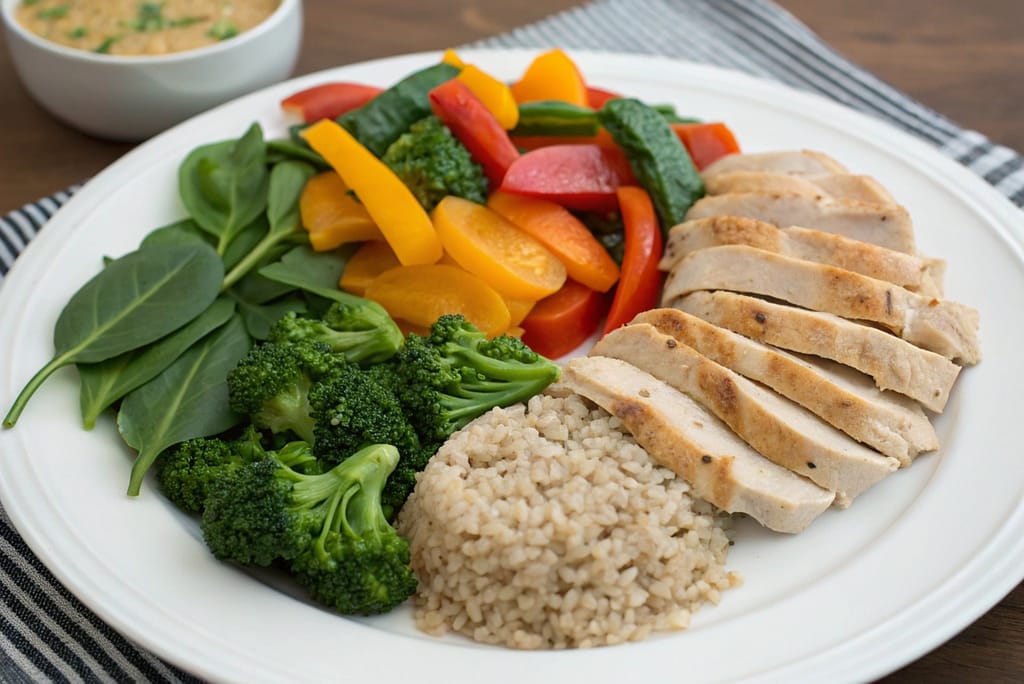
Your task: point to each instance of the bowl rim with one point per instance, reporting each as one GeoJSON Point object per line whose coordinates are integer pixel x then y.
{"type": "Point", "coordinates": [284, 9]}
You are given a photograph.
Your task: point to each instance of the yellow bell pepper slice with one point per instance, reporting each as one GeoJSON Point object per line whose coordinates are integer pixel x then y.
{"type": "Point", "coordinates": [331, 215]}
{"type": "Point", "coordinates": [396, 211]}
{"type": "Point", "coordinates": [551, 76]}
{"type": "Point", "coordinates": [496, 250]}
{"type": "Point", "coordinates": [495, 95]}
{"type": "Point", "coordinates": [452, 57]}
{"type": "Point", "coordinates": [423, 293]}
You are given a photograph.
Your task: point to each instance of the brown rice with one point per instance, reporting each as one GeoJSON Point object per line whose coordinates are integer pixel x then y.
{"type": "Point", "coordinates": [549, 527]}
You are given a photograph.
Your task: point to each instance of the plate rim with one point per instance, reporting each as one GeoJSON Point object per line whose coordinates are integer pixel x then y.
{"type": "Point", "coordinates": [982, 197]}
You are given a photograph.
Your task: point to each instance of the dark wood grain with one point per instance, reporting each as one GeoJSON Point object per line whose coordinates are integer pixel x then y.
{"type": "Point", "coordinates": [962, 59]}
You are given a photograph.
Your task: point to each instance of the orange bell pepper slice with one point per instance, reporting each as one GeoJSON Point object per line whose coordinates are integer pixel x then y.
{"type": "Point", "coordinates": [562, 322]}
{"type": "Point", "coordinates": [393, 207]}
{"type": "Point", "coordinates": [368, 262]}
{"type": "Point", "coordinates": [332, 216]}
{"type": "Point", "coordinates": [420, 294]}
{"type": "Point", "coordinates": [497, 251]}
{"type": "Point", "coordinates": [551, 76]}
{"type": "Point", "coordinates": [706, 142]}
{"type": "Point", "coordinates": [640, 284]}
{"type": "Point", "coordinates": [585, 259]}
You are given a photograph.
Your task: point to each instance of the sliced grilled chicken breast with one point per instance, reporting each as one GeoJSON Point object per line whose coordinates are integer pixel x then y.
{"type": "Point", "coordinates": [945, 327]}
{"type": "Point", "coordinates": [780, 430]}
{"type": "Point", "coordinates": [886, 225]}
{"type": "Point", "coordinates": [893, 363]}
{"type": "Point", "coordinates": [915, 273]}
{"type": "Point", "coordinates": [846, 186]}
{"type": "Point", "coordinates": [891, 423]}
{"type": "Point", "coordinates": [799, 162]}
{"type": "Point", "coordinates": [684, 437]}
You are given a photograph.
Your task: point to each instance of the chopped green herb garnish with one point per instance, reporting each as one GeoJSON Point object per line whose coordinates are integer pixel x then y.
{"type": "Point", "coordinates": [223, 29]}
{"type": "Point", "coordinates": [29, 3]}
{"type": "Point", "coordinates": [149, 18]}
{"type": "Point", "coordinates": [105, 46]}
{"type": "Point", "coordinates": [53, 12]}
{"type": "Point", "coordinates": [77, 33]}
{"type": "Point", "coordinates": [184, 22]}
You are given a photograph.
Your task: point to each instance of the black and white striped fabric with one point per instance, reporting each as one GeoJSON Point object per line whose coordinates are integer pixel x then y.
{"type": "Point", "coordinates": [47, 635]}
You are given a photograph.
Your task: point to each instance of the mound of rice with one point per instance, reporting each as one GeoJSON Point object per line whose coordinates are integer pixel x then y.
{"type": "Point", "coordinates": [547, 526]}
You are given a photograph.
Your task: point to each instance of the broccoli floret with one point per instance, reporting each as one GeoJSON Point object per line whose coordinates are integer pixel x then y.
{"type": "Point", "coordinates": [359, 564]}
{"type": "Point", "coordinates": [271, 385]}
{"type": "Point", "coordinates": [354, 407]}
{"type": "Point", "coordinates": [433, 163]}
{"type": "Point", "coordinates": [453, 375]}
{"type": "Point", "coordinates": [186, 471]}
{"type": "Point", "coordinates": [259, 512]}
{"type": "Point", "coordinates": [330, 528]}
{"type": "Point", "coordinates": [361, 331]}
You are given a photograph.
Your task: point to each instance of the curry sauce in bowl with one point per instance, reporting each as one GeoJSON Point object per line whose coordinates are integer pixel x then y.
{"type": "Point", "coordinates": [128, 69]}
{"type": "Point", "coordinates": [134, 27]}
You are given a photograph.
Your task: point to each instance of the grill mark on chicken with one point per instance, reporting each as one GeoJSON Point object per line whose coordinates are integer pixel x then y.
{"type": "Point", "coordinates": [893, 363]}
{"type": "Point", "coordinates": [947, 328]}
{"type": "Point", "coordinates": [682, 436]}
{"type": "Point", "coordinates": [891, 423]}
{"type": "Point", "coordinates": [794, 162]}
{"type": "Point", "coordinates": [775, 427]}
{"type": "Point", "coordinates": [915, 273]}
{"type": "Point", "coordinates": [888, 226]}
{"type": "Point", "coordinates": [844, 186]}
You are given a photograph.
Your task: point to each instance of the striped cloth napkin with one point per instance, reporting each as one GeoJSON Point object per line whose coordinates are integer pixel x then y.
{"type": "Point", "coordinates": [47, 634]}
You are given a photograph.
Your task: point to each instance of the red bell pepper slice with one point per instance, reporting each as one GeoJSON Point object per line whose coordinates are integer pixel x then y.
{"type": "Point", "coordinates": [706, 142]}
{"type": "Point", "coordinates": [561, 322]}
{"type": "Point", "coordinates": [639, 278]}
{"type": "Point", "coordinates": [582, 177]}
{"type": "Point", "coordinates": [596, 97]}
{"type": "Point", "coordinates": [329, 101]}
{"type": "Point", "coordinates": [475, 126]}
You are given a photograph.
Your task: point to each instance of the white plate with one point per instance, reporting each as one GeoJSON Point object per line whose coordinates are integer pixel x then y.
{"type": "Point", "coordinates": [859, 594]}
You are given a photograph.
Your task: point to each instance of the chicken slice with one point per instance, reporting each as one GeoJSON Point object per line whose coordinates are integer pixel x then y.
{"type": "Point", "coordinates": [778, 429]}
{"type": "Point", "coordinates": [945, 327]}
{"type": "Point", "coordinates": [915, 273]}
{"type": "Point", "coordinates": [886, 225]}
{"type": "Point", "coordinates": [797, 162]}
{"type": "Point", "coordinates": [893, 424]}
{"type": "Point", "coordinates": [893, 363]}
{"type": "Point", "coordinates": [846, 186]}
{"type": "Point", "coordinates": [685, 438]}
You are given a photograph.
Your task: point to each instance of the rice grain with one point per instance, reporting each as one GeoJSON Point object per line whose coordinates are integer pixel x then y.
{"type": "Point", "coordinates": [547, 526]}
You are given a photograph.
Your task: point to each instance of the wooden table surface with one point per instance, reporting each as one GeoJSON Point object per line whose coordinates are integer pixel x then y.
{"type": "Point", "coordinates": [961, 59]}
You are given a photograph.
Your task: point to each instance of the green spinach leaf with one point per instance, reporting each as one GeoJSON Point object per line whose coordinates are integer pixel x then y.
{"type": "Point", "coordinates": [183, 232]}
{"type": "Point", "coordinates": [105, 382]}
{"type": "Point", "coordinates": [245, 241]}
{"type": "Point", "coordinates": [314, 272]}
{"type": "Point", "coordinates": [135, 300]}
{"type": "Point", "coordinates": [259, 318]}
{"type": "Point", "coordinates": [287, 180]}
{"type": "Point", "coordinates": [188, 399]}
{"type": "Point", "coordinates": [224, 185]}
{"type": "Point", "coordinates": [284, 150]}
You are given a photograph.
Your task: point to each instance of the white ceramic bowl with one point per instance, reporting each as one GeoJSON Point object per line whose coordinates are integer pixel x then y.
{"type": "Point", "coordinates": [134, 97]}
